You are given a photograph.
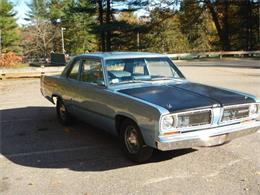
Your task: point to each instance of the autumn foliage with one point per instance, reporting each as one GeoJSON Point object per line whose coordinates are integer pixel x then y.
{"type": "Point", "coordinates": [9, 59]}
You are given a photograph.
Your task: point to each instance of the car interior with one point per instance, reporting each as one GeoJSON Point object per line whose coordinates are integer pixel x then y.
{"type": "Point", "coordinates": [128, 71]}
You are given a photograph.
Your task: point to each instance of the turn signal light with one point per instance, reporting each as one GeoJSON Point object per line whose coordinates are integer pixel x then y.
{"type": "Point", "coordinates": [171, 133]}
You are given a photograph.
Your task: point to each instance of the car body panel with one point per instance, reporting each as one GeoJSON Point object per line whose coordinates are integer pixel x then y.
{"type": "Point", "coordinates": [187, 95]}
{"type": "Point", "coordinates": [170, 97]}
{"type": "Point", "coordinates": [223, 97]}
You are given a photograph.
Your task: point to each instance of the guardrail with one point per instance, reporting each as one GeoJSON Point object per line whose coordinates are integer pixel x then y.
{"type": "Point", "coordinates": [30, 72]}
{"type": "Point", "coordinates": [217, 53]}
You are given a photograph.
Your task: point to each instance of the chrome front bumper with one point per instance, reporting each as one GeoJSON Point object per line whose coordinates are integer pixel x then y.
{"type": "Point", "coordinates": [207, 137]}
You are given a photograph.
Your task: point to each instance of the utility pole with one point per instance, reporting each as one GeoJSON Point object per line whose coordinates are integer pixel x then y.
{"type": "Point", "coordinates": [62, 40]}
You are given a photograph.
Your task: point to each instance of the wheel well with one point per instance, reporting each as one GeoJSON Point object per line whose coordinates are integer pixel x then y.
{"type": "Point", "coordinates": [119, 119]}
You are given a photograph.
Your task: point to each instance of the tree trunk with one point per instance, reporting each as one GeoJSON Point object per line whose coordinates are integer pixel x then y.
{"type": "Point", "coordinates": [222, 32]}
{"type": "Point", "coordinates": [101, 22]}
{"type": "Point", "coordinates": [226, 42]}
{"type": "Point", "coordinates": [108, 37]}
{"type": "Point", "coordinates": [258, 26]}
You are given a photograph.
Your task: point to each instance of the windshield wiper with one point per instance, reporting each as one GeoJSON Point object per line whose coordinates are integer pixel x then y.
{"type": "Point", "coordinates": [134, 81]}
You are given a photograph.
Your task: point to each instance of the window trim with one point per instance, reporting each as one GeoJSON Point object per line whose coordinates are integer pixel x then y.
{"type": "Point", "coordinates": [171, 63]}
{"type": "Point", "coordinates": [71, 67]}
{"type": "Point", "coordinates": [102, 68]}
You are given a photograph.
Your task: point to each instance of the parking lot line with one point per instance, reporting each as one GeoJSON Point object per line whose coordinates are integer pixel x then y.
{"type": "Point", "coordinates": [52, 151]}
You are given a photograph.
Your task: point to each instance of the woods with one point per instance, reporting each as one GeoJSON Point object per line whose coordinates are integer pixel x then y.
{"type": "Point", "coordinates": [168, 26]}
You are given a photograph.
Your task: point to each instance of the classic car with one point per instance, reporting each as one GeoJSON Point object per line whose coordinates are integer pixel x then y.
{"type": "Point", "coordinates": [145, 100]}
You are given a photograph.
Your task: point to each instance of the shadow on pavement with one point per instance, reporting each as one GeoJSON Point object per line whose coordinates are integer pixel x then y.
{"type": "Point", "coordinates": [31, 136]}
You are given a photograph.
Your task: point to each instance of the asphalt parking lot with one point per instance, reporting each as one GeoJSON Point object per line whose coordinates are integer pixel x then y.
{"type": "Point", "coordinates": [39, 156]}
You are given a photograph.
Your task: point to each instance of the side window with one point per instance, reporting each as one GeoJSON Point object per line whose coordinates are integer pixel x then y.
{"type": "Point", "coordinates": [74, 71]}
{"type": "Point", "coordinates": [138, 70]}
{"type": "Point", "coordinates": [92, 72]}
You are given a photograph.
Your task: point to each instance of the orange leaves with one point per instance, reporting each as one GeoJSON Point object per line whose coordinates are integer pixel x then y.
{"type": "Point", "coordinates": [9, 59]}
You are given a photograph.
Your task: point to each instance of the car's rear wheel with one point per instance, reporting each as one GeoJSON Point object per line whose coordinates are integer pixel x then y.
{"type": "Point", "coordinates": [62, 113]}
{"type": "Point", "coordinates": [133, 143]}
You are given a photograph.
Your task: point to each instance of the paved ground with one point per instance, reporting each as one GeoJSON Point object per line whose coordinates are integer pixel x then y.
{"type": "Point", "coordinates": [39, 156]}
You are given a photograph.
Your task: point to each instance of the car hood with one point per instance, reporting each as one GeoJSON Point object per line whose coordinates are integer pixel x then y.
{"type": "Point", "coordinates": [186, 96]}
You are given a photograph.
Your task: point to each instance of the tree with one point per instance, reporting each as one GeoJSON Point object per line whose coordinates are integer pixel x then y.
{"type": "Point", "coordinates": [195, 25]}
{"type": "Point", "coordinates": [108, 23]}
{"type": "Point", "coordinates": [237, 23]}
{"type": "Point", "coordinates": [40, 30]}
{"type": "Point", "coordinates": [43, 35]}
{"type": "Point", "coordinates": [8, 28]}
{"type": "Point", "coordinates": [165, 35]}
{"type": "Point", "coordinates": [78, 20]}
{"type": "Point", "coordinates": [129, 32]}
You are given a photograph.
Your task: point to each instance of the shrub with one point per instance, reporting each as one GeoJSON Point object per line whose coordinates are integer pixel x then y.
{"type": "Point", "coordinates": [9, 59]}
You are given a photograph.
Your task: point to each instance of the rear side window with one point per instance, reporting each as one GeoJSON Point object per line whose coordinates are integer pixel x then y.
{"type": "Point", "coordinates": [74, 71]}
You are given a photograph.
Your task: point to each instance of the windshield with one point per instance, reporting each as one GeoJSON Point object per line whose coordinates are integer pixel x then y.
{"type": "Point", "coordinates": [140, 70]}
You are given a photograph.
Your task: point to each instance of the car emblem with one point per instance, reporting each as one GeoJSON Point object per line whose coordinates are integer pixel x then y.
{"type": "Point", "coordinates": [169, 106]}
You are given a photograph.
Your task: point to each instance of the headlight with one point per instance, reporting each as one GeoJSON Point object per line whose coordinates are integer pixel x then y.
{"type": "Point", "coordinates": [253, 109]}
{"type": "Point", "coordinates": [168, 123]}
{"type": "Point", "coordinates": [256, 109]}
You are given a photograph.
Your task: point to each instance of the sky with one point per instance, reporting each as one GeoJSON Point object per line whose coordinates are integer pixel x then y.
{"type": "Point", "coordinates": [21, 8]}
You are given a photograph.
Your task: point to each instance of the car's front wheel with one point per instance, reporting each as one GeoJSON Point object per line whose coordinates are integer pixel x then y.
{"type": "Point", "coordinates": [133, 143]}
{"type": "Point", "coordinates": [62, 113]}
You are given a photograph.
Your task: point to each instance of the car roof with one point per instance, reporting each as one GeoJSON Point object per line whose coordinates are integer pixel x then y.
{"type": "Point", "coordinates": [121, 55]}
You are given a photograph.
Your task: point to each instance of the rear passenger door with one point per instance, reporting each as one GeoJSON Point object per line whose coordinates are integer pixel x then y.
{"type": "Point", "coordinates": [72, 83]}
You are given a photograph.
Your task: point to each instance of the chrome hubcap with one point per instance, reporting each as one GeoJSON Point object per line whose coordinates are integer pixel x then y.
{"type": "Point", "coordinates": [131, 140]}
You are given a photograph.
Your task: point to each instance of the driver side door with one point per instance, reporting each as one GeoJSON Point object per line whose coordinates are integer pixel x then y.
{"type": "Point", "coordinates": [92, 95]}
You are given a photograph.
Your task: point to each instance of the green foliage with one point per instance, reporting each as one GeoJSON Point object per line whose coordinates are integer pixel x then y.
{"type": "Point", "coordinates": [165, 35]}
{"type": "Point", "coordinates": [38, 10]}
{"type": "Point", "coordinates": [9, 31]}
{"type": "Point", "coordinates": [171, 26]}
{"type": "Point", "coordinates": [79, 37]}
{"type": "Point", "coordinates": [244, 30]}
{"type": "Point", "coordinates": [194, 26]}
{"type": "Point", "coordinates": [47, 19]}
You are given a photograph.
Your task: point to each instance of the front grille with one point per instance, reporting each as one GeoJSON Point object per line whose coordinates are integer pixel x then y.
{"type": "Point", "coordinates": [235, 113]}
{"type": "Point", "coordinates": [194, 119]}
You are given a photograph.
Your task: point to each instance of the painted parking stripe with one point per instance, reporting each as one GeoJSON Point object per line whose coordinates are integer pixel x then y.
{"type": "Point", "coordinates": [53, 151]}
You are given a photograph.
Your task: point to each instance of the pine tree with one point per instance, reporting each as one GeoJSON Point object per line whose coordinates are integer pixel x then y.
{"type": "Point", "coordinates": [108, 25]}
{"type": "Point", "coordinates": [8, 28]}
{"type": "Point", "coordinates": [165, 35]}
{"type": "Point", "coordinates": [194, 25]}
{"type": "Point", "coordinates": [78, 20]}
